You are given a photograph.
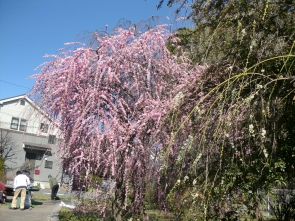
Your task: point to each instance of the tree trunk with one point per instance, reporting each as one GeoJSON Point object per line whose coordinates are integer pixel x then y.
{"type": "Point", "coordinates": [117, 212]}
{"type": "Point", "coordinates": [118, 203]}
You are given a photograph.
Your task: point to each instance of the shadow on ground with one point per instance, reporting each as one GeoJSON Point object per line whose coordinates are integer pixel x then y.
{"type": "Point", "coordinates": [34, 202]}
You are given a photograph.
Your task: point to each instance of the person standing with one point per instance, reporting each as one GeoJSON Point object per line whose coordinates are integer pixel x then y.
{"type": "Point", "coordinates": [53, 186]}
{"type": "Point", "coordinates": [20, 184]}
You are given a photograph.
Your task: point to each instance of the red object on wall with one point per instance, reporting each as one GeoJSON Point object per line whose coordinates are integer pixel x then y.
{"type": "Point", "coordinates": [2, 186]}
{"type": "Point", "coordinates": [37, 172]}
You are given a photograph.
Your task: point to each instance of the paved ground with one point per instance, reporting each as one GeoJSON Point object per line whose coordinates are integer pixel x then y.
{"type": "Point", "coordinates": [48, 211]}
{"type": "Point", "coordinates": [44, 211]}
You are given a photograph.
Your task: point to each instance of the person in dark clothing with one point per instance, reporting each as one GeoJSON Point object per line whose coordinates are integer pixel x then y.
{"type": "Point", "coordinates": [53, 186]}
{"type": "Point", "coordinates": [3, 197]}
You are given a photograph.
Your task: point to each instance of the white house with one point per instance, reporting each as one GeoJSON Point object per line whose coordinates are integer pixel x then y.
{"type": "Point", "coordinates": [33, 137]}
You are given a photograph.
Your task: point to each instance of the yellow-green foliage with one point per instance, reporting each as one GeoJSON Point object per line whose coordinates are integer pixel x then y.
{"type": "Point", "coordinates": [2, 168]}
{"type": "Point", "coordinates": [95, 180]}
{"type": "Point", "coordinates": [180, 200]}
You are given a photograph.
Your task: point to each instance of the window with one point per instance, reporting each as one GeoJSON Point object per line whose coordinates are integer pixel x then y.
{"type": "Point", "coordinates": [48, 164]}
{"type": "Point", "coordinates": [51, 139]}
{"type": "Point", "coordinates": [23, 125]}
{"type": "Point", "coordinates": [22, 102]}
{"type": "Point", "coordinates": [44, 127]}
{"type": "Point", "coordinates": [14, 123]}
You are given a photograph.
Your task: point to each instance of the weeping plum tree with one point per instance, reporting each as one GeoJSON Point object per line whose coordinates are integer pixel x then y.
{"type": "Point", "coordinates": [109, 103]}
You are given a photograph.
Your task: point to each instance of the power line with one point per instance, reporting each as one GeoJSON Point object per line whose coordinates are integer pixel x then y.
{"type": "Point", "coordinates": [14, 84]}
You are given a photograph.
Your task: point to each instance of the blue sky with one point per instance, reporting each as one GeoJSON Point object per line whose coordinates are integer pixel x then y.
{"type": "Point", "coordinates": [32, 28]}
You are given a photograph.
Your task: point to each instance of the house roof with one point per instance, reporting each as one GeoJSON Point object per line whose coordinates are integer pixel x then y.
{"type": "Point", "coordinates": [24, 96]}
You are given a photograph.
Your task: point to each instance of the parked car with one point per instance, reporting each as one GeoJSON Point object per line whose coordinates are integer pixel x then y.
{"type": "Point", "coordinates": [10, 192]}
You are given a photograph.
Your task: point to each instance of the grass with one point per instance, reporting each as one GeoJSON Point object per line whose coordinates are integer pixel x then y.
{"type": "Point", "coordinates": [37, 197]}
{"type": "Point", "coordinates": [40, 197]}
{"type": "Point", "coordinates": [45, 197]}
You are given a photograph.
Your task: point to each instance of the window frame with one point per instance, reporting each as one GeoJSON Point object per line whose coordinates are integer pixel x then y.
{"type": "Point", "coordinates": [50, 166]}
{"type": "Point", "coordinates": [13, 124]}
{"type": "Point", "coordinates": [51, 139]}
{"type": "Point", "coordinates": [44, 127]}
{"type": "Point", "coordinates": [22, 102]}
{"type": "Point", "coordinates": [21, 126]}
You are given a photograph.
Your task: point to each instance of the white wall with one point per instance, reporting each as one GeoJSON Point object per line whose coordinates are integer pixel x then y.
{"type": "Point", "coordinates": [10, 108]}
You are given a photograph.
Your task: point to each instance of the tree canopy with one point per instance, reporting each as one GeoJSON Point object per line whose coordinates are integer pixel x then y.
{"type": "Point", "coordinates": [109, 103]}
